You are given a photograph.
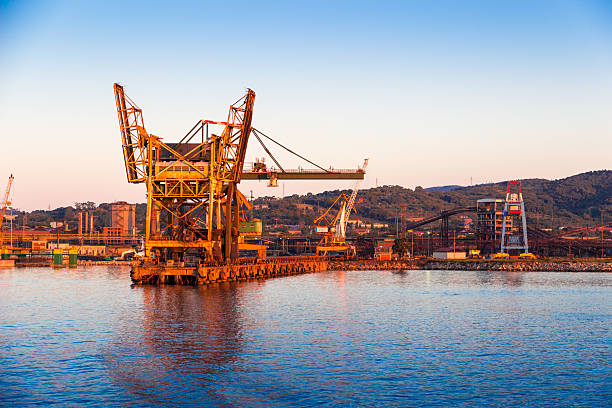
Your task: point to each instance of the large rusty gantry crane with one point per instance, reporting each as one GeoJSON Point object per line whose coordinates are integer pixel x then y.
{"type": "Point", "coordinates": [193, 201]}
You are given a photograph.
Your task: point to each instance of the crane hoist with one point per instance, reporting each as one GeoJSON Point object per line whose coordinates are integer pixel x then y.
{"type": "Point", "coordinates": [332, 223]}
{"type": "Point", "coordinates": [5, 204]}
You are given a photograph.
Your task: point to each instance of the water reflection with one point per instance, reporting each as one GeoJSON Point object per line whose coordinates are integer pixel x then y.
{"type": "Point", "coordinates": [485, 277]}
{"type": "Point", "coordinates": [513, 278]}
{"type": "Point", "coordinates": [188, 337]}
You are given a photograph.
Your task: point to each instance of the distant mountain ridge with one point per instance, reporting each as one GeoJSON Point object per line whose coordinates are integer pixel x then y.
{"type": "Point", "coordinates": [444, 188]}
{"type": "Point", "coordinates": [577, 200]}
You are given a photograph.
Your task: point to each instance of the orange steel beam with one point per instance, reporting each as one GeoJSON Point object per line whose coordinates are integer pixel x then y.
{"type": "Point", "coordinates": [51, 236]}
{"type": "Point", "coordinates": [134, 137]}
{"type": "Point", "coordinates": [300, 174]}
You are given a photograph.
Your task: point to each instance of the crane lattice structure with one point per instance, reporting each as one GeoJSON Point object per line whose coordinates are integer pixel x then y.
{"type": "Point", "coordinates": [5, 204]}
{"type": "Point", "coordinates": [193, 201]}
{"type": "Point", "coordinates": [332, 224]}
{"type": "Point", "coordinates": [514, 206]}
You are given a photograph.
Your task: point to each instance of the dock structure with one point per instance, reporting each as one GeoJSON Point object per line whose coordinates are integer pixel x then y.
{"type": "Point", "coordinates": [242, 269]}
{"type": "Point", "coordinates": [194, 206]}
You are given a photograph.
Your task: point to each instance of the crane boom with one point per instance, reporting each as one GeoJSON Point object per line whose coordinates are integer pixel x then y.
{"type": "Point", "coordinates": [247, 117]}
{"type": "Point", "coordinates": [5, 204]}
{"type": "Point", "coordinates": [235, 138]}
{"type": "Point", "coordinates": [134, 137]}
{"type": "Point", "coordinates": [343, 219]}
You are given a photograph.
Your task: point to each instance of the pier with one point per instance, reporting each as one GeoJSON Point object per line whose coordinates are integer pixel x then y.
{"type": "Point", "coordinates": [242, 269]}
{"type": "Point", "coordinates": [253, 268]}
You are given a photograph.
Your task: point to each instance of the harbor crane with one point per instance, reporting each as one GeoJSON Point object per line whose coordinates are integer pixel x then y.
{"type": "Point", "coordinates": [333, 227]}
{"type": "Point", "coordinates": [193, 201]}
{"type": "Point", "coordinates": [5, 204]}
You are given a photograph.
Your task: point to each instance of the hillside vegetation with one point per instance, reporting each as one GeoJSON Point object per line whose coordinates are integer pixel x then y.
{"type": "Point", "coordinates": [572, 201]}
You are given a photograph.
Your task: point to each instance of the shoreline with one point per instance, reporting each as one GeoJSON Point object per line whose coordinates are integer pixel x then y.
{"type": "Point", "coordinates": [558, 265]}
{"type": "Point", "coordinates": [541, 265]}
{"type": "Point", "coordinates": [520, 266]}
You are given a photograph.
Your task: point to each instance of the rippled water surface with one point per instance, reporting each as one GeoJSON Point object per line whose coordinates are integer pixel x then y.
{"type": "Point", "coordinates": [419, 338]}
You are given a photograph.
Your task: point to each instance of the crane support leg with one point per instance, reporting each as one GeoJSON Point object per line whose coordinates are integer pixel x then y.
{"type": "Point", "coordinates": [228, 221]}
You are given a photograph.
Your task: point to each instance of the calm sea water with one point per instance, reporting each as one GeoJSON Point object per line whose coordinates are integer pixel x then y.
{"type": "Point", "coordinates": [417, 338]}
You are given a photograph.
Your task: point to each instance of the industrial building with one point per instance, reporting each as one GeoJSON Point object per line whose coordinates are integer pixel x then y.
{"type": "Point", "coordinates": [123, 218]}
{"type": "Point", "coordinates": [384, 250]}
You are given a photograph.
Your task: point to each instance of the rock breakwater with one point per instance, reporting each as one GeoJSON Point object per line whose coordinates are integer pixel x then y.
{"type": "Point", "coordinates": [372, 265]}
{"type": "Point", "coordinates": [524, 266]}
{"type": "Point", "coordinates": [472, 265]}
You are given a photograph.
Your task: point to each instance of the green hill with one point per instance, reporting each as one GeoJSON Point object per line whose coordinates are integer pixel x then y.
{"type": "Point", "coordinates": [572, 201]}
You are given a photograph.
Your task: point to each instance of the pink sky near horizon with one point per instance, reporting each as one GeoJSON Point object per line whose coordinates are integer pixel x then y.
{"type": "Point", "coordinates": [432, 95]}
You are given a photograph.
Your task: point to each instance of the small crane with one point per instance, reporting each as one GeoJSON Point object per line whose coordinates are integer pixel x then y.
{"type": "Point", "coordinates": [6, 203]}
{"type": "Point", "coordinates": [334, 229]}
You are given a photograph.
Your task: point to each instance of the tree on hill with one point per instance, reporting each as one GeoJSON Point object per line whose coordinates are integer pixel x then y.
{"type": "Point", "coordinates": [400, 246]}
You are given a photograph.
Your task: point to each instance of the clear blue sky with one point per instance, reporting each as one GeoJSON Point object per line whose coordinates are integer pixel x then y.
{"type": "Point", "coordinates": [433, 92]}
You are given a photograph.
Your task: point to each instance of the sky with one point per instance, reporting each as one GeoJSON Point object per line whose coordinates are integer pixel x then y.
{"type": "Point", "coordinates": [432, 92]}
